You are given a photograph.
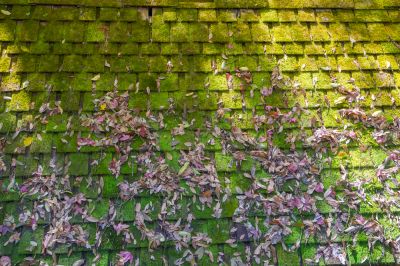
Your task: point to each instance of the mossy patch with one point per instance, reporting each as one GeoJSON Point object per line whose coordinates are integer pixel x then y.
{"type": "Point", "coordinates": [20, 101]}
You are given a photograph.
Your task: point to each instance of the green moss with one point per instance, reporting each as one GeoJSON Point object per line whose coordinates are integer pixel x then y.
{"type": "Point", "coordinates": [27, 237]}
{"type": "Point", "coordinates": [191, 48]}
{"type": "Point", "coordinates": [42, 12]}
{"type": "Point", "coordinates": [170, 82]}
{"type": "Point", "coordinates": [229, 207]}
{"type": "Point", "coordinates": [358, 32]}
{"type": "Point", "coordinates": [74, 32]}
{"type": "Point", "coordinates": [281, 33]}
{"type": "Point", "coordinates": [8, 121]}
{"type": "Point", "coordinates": [322, 80]}
{"type": "Point", "coordinates": [62, 48]}
{"type": "Point", "coordinates": [110, 189]}
{"type": "Point", "coordinates": [224, 163]}
{"type": "Point", "coordinates": [213, 48]}
{"type": "Point", "coordinates": [106, 81]}
{"type": "Point", "coordinates": [260, 32]}
{"type": "Point", "coordinates": [313, 49]}
{"type": "Point", "coordinates": [308, 251]}
{"type": "Point", "coordinates": [138, 100]}
{"type": "Point", "coordinates": [160, 32]}
{"type": "Point", "coordinates": [140, 32]}
{"type": "Point", "coordinates": [10, 82]}
{"type": "Point", "coordinates": [319, 32]}
{"type": "Point", "coordinates": [19, 102]}
{"type": "Point", "coordinates": [41, 143]}
{"type": "Point", "coordinates": [157, 63]}
{"type": "Point", "coordinates": [287, 16]}
{"type": "Point", "coordinates": [250, 62]}
{"type": "Point", "coordinates": [5, 62]}
{"type": "Point", "coordinates": [82, 82]}
{"type": "Point", "coordinates": [129, 48]}
{"type": "Point", "coordinates": [79, 164]}
{"type": "Point", "coordinates": [381, 255]}
{"type": "Point", "coordinates": [94, 64]}
{"type": "Point", "coordinates": [269, 15]}
{"type": "Point", "coordinates": [289, 64]}
{"type": "Point", "coordinates": [48, 63]}
{"type": "Point", "coordinates": [198, 32]}
{"type": "Point", "coordinates": [234, 253]}
{"type": "Point", "coordinates": [72, 63]}
{"type": "Point", "coordinates": [130, 167]}
{"type": "Point", "coordinates": [241, 32]}
{"type": "Point", "coordinates": [169, 14]}
{"type": "Point", "coordinates": [109, 14]}
{"type": "Point", "coordinates": [28, 165]}
{"type": "Point", "coordinates": [96, 32]}
{"type": "Point", "coordinates": [249, 15]}
{"type": "Point", "coordinates": [128, 14]}
{"type": "Point", "coordinates": [180, 32]}
{"type": "Point", "coordinates": [201, 63]}
{"type": "Point", "coordinates": [17, 48]}
{"type": "Point", "coordinates": [208, 15]}
{"type": "Point", "coordinates": [306, 15]}
{"type": "Point", "coordinates": [20, 12]}
{"type": "Point", "coordinates": [218, 82]}
{"type": "Point", "coordinates": [358, 254]}
{"type": "Point", "coordinates": [98, 209]}
{"type": "Point", "coordinates": [27, 31]}
{"type": "Point", "coordinates": [85, 48]}
{"type": "Point", "coordinates": [387, 62]}
{"type": "Point", "coordinates": [267, 63]}
{"type": "Point", "coordinates": [207, 101]}
{"type": "Point", "coordinates": [287, 258]}
{"type": "Point", "coordinates": [151, 49]}
{"type": "Point", "coordinates": [119, 32]}
{"type": "Point", "coordinates": [102, 261]}
{"type": "Point", "coordinates": [69, 259]}
{"type": "Point", "coordinates": [25, 63]}
{"type": "Point", "coordinates": [64, 143]}
{"type": "Point", "coordinates": [227, 15]}
{"type": "Point", "coordinates": [169, 48]}
{"type": "Point", "coordinates": [57, 123]}
{"type": "Point", "coordinates": [53, 32]}
{"type": "Point", "coordinates": [7, 31]}
{"type": "Point", "coordinates": [221, 230]}
{"type": "Point", "coordinates": [308, 64]}
{"type": "Point", "coordinates": [138, 64]}
{"type": "Point", "coordinates": [87, 14]}
{"type": "Point", "coordinates": [187, 14]}
{"type": "Point", "coordinates": [102, 161]}
{"type": "Point", "coordinates": [200, 212]}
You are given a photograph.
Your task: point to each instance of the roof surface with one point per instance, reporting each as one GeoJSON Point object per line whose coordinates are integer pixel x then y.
{"type": "Point", "coordinates": [199, 132]}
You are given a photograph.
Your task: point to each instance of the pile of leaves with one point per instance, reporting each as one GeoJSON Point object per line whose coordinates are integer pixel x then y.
{"type": "Point", "coordinates": [116, 125]}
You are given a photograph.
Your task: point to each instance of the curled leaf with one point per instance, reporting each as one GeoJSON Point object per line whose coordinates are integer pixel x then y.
{"type": "Point", "coordinates": [183, 168]}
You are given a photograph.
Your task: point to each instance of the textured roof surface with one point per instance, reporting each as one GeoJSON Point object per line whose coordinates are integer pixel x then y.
{"type": "Point", "coordinates": [189, 55]}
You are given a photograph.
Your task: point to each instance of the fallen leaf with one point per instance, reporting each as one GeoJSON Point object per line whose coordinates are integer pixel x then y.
{"type": "Point", "coordinates": [340, 100]}
{"type": "Point", "coordinates": [79, 262]}
{"type": "Point", "coordinates": [183, 168]}
{"type": "Point", "coordinates": [6, 12]}
{"type": "Point", "coordinates": [27, 141]}
{"type": "Point", "coordinates": [95, 78]}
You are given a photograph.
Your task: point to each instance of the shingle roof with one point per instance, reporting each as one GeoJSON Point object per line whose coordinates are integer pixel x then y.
{"type": "Point", "coordinates": [190, 55]}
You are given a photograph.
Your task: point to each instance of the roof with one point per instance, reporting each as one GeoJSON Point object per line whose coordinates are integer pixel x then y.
{"type": "Point", "coordinates": [235, 131]}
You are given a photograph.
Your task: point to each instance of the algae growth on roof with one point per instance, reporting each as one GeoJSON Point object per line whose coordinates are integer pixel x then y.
{"type": "Point", "coordinates": [199, 132]}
